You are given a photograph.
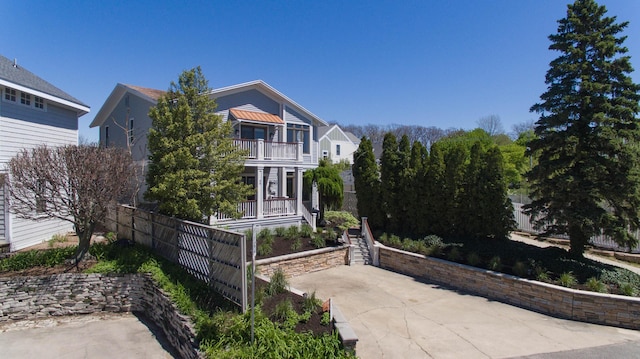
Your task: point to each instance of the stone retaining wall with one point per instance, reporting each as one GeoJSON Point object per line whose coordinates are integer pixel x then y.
{"type": "Point", "coordinates": [29, 298]}
{"type": "Point", "coordinates": [296, 264]}
{"type": "Point", "coordinates": [591, 307]}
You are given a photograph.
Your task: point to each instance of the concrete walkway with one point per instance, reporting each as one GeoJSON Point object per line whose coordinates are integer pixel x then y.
{"type": "Point", "coordinates": [91, 336]}
{"type": "Point", "coordinates": [396, 316]}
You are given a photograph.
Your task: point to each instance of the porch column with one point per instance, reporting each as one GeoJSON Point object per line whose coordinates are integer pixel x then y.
{"type": "Point", "coordinates": [282, 181]}
{"type": "Point", "coordinates": [298, 191]}
{"type": "Point", "coordinates": [259, 192]}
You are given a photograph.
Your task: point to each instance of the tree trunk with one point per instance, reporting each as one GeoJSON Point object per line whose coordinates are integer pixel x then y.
{"type": "Point", "coordinates": [578, 240]}
{"type": "Point", "coordinates": [84, 240]}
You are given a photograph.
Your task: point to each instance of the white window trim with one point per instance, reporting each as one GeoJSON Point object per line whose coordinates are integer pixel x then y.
{"type": "Point", "coordinates": [18, 99]}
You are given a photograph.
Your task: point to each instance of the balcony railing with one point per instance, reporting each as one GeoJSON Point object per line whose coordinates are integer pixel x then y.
{"type": "Point", "coordinates": [270, 150]}
{"type": "Point", "coordinates": [271, 208]}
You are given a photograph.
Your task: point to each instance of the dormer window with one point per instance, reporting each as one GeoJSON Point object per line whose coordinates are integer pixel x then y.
{"type": "Point", "coordinates": [25, 99]}
{"type": "Point", "coordinates": [9, 94]}
{"type": "Point", "coordinates": [38, 102]}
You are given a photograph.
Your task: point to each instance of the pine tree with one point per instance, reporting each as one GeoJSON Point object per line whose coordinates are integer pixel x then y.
{"type": "Point", "coordinates": [587, 179]}
{"type": "Point", "coordinates": [194, 167]}
{"type": "Point", "coordinates": [435, 221]}
{"type": "Point", "coordinates": [367, 182]}
{"type": "Point", "coordinates": [417, 202]}
{"type": "Point", "coordinates": [405, 191]}
{"type": "Point", "coordinates": [497, 210]}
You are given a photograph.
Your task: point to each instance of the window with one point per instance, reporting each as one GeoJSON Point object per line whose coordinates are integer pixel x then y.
{"type": "Point", "coordinates": [38, 102]}
{"type": "Point", "coordinates": [25, 98]}
{"type": "Point", "coordinates": [299, 133]}
{"type": "Point", "coordinates": [325, 154]}
{"type": "Point", "coordinates": [337, 150]}
{"type": "Point", "coordinates": [106, 136]}
{"type": "Point", "coordinates": [10, 94]}
{"type": "Point", "coordinates": [253, 132]}
{"type": "Point", "coordinates": [131, 137]}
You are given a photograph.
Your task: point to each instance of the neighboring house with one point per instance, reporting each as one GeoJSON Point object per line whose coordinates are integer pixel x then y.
{"type": "Point", "coordinates": [280, 135]}
{"type": "Point", "coordinates": [336, 144]}
{"type": "Point", "coordinates": [32, 112]}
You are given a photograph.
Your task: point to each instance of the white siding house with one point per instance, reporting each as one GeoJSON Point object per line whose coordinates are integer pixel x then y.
{"type": "Point", "coordinates": [280, 135]}
{"type": "Point", "coordinates": [336, 144]}
{"type": "Point", "coordinates": [32, 112]}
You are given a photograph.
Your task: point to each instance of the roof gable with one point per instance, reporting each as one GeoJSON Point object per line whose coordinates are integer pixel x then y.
{"type": "Point", "coordinates": [148, 94]}
{"type": "Point", "coordinates": [13, 75]}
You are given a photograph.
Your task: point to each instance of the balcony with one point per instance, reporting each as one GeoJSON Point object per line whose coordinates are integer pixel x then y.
{"type": "Point", "coordinates": [280, 207]}
{"type": "Point", "coordinates": [271, 151]}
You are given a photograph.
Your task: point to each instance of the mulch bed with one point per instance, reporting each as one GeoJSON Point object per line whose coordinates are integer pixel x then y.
{"type": "Point", "coordinates": [44, 270]}
{"type": "Point", "coordinates": [282, 246]}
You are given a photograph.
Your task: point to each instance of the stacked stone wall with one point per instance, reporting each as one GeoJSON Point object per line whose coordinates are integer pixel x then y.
{"type": "Point", "coordinates": [305, 262]}
{"type": "Point", "coordinates": [591, 307]}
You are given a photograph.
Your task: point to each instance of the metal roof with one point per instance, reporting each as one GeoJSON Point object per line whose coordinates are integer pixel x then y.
{"type": "Point", "coordinates": [255, 116]}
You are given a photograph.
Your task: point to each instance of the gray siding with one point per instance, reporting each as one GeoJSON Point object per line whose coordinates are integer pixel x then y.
{"type": "Point", "coordinates": [292, 116]}
{"type": "Point", "coordinates": [252, 100]}
{"type": "Point", "coordinates": [118, 123]}
{"type": "Point", "coordinates": [53, 116]}
{"type": "Point", "coordinates": [25, 232]}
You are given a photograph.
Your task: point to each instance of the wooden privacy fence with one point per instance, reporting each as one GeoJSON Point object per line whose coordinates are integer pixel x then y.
{"type": "Point", "coordinates": [600, 241]}
{"type": "Point", "coordinates": [216, 256]}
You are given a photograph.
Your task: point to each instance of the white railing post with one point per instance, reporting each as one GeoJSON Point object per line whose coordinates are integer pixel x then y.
{"type": "Point", "coordinates": [299, 152]}
{"type": "Point", "coordinates": [260, 149]}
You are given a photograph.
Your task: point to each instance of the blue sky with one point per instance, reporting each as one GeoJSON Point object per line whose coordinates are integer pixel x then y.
{"type": "Point", "coordinates": [431, 63]}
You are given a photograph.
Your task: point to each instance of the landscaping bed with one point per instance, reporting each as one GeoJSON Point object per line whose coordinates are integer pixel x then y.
{"type": "Point", "coordinates": [550, 265]}
{"type": "Point", "coordinates": [282, 241]}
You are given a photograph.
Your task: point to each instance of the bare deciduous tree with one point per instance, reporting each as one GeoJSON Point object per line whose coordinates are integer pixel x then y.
{"type": "Point", "coordinates": [492, 124]}
{"type": "Point", "coordinates": [72, 183]}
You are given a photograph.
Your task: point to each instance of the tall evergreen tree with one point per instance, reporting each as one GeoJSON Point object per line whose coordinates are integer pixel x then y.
{"type": "Point", "coordinates": [389, 179]}
{"type": "Point", "coordinates": [435, 220]}
{"type": "Point", "coordinates": [405, 191]}
{"type": "Point", "coordinates": [194, 168]}
{"type": "Point", "coordinates": [496, 220]}
{"type": "Point", "coordinates": [367, 182]}
{"type": "Point", "coordinates": [587, 179]}
{"type": "Point", "coordinates": [416, 199]}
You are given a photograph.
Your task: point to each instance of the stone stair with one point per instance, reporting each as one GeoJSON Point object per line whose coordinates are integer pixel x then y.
{"type": "Point", "coordinates": [361, 254]}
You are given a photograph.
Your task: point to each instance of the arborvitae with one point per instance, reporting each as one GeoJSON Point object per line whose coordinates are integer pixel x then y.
{"type": "Point", "coordinates": [497, 210]}
{"type": "Point", "coordinates": [367, 182]}
{"type": "Point", "coordinates": [405, 172]}
{"type": "Point", "coordinates": [389, 179]}
{"type": "Point", "coordinates": [587, 178]}
{"type": "Point", "coordinates": [417, 201]}
{"type": "Point", "coordinates": [470, 214]}
{"type": "Point", "coordinates": [435, 221]}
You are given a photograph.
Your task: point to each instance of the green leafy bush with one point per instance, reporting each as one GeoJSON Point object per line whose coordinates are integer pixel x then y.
{"type": "Point", "coordinates": [28, 259]}
{"type": "Point", "coordinates": [280, 231]}
{"type": "Point", "coordinates": [495, 264]}
{"type": "Point", "coordinates": [567, 279]}
{"type": "Point", "coordinates": [520, 269]}
{"type": "Point", "coordinates": [296, 245]}
{"type": "Point", "coordinates": [265, 248]}
{"type": "Point", "coordinates": [318, 241]}
{"type": "Point", "coordinates": [473, 259]}
{"type": "Point", "coordinates": [311, 302]}
{"type": "Point", "coordinates": [341, 219]}
{"type": "Point", "coordinates": [292, 233]}
{"type": "Point", "coordinates": [326, 318]}
{"type": "Point", "coordinates": [596, 285]}
{"type": "Point", "coordinates": [278, 283]}
{"type": "Point", "coordinates": [628, 289]}
{"type": "Point", "coordinates": [306, 231]}
{"type": "Point", "coordinates": [265, 234]}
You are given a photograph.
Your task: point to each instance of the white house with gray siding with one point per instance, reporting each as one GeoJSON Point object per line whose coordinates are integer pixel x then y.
{"type": "Point", "coordinates": [336, 144]}
{"type": "Point", "coordinates": [280, 135]}
{"type": "Point", "coordinates": [32, 112]}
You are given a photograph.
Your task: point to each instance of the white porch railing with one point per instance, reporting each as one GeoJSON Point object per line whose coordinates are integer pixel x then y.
{"type": "Point", "coordinates": [269, 150]}
{"type": "Point", "coordinates": [271, 208]}
{"type": "Point", "coordinates": [279, 207]}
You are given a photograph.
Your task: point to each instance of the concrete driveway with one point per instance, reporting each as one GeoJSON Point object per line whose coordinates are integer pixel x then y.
{"type": "Point", "coordinates": [397, 316]}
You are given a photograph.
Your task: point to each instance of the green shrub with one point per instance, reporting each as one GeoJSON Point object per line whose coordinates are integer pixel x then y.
{"type": "Point", "coordinates": [408, 245]}
{"type": "Point", "coordinates": [278, 283]}
{"type": "Point", "coordinates": [326, 318]}
{"type": "Point", "coordinates": [296, 245]}
{"type": "Point", "coordinates": [384, 238]}
{"type": "Point", "coordinates": [265, 248]}
{"type": "Point", "coordinates": [567, 279]}
{"type": "Point", "coordinates": [306, 231]}
{"type": "Point", "coordinates": [56, 238]}
{"type": "Point", "coordinates": [28, 259]}
{"type": "Point", "coordinates": [454, 254]}
{"type": "Point", "coordinates": [311, 303]}
{"type": "Point", "coordinates": [318, 241]}
{"type": "Point", "coordinates": [495, 264]}
{"type": "Point", "coordinates": [284, 310]}
{"type": "Point", "coordinates": [433, 240]}
{"type": "Point", "coordinates": [292, 233]}
{"type": "Point", "coordinates": [542, 274]}
{"type": "Point", "coordinates": [330, 234]}
{"type": "Point", "coordinates": [628, 289]}
{"type": "Point", "coordinates": [473, 259]}
{"type": "Point", "coordinates": [280, 231]}
{"type": "Point", "coordinates": [248, 233]}
{"type": "Point", "coordinates": [341, 219]}
{"type": "Point", "coordinates": [265, 234]}
{"type": "Point", "coordinates": [111, 237]}
{"type": "Point", "coordinates": [520, 269]}
{"type": "Point", "coordinates": [394, 241]}
{"type": "Point", "coordinates": [596, 285]}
